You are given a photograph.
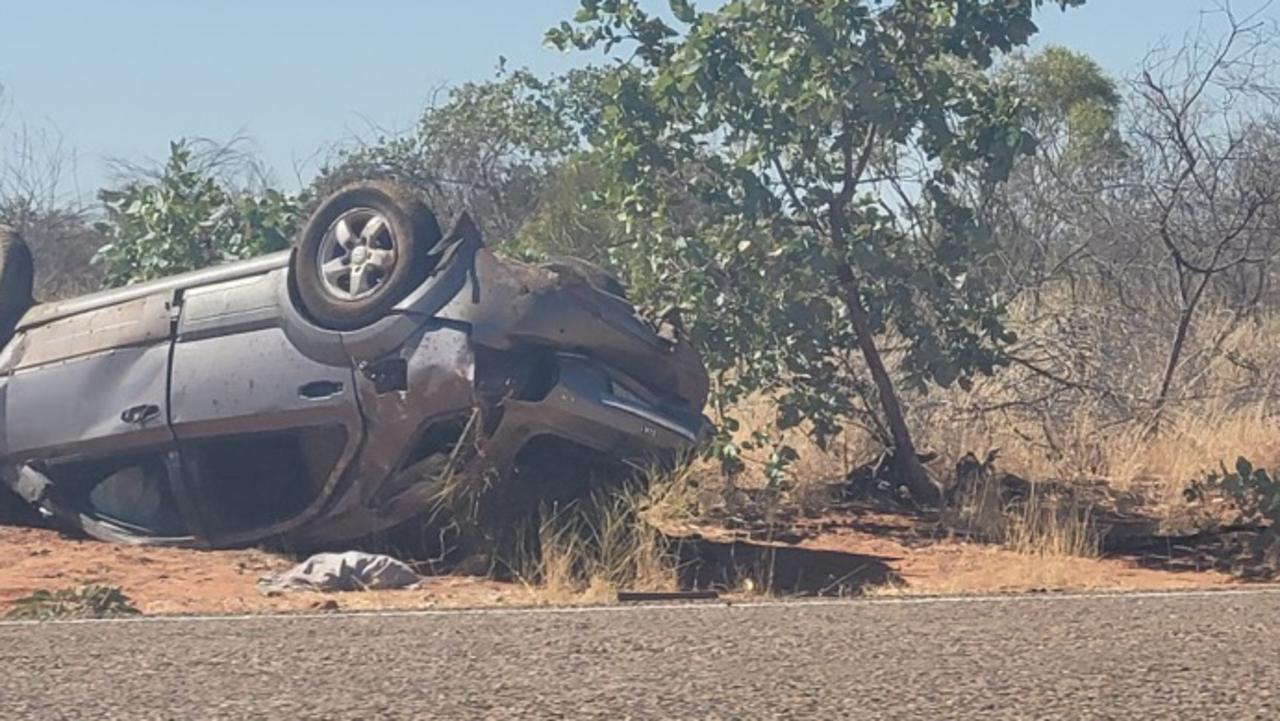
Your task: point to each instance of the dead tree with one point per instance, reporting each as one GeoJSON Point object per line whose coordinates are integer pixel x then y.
{"type": "Point", "coordinates": [1208, 179]}
{"type": "Point", "coordinates": [38, 199]}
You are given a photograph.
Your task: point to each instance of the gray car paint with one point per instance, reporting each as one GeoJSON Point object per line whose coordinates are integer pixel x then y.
{"type": "Point", "coordinates": [227, 351]}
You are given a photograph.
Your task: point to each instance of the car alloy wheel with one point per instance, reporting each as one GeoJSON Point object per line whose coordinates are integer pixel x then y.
{"type": "Point", "coordinates": [357, 255]}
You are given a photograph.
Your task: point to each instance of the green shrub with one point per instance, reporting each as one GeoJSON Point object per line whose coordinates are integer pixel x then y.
{"type": "Point", "coordinates": [185, 219]}
{"type": "Point", "coordinates": [1253, 492]}
{"type": "Point", "coordinates": [92, 601]}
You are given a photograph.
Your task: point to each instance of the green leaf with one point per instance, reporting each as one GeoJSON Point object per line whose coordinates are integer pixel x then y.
{"type": "Point", "coordinates": [684, 11]}
{"type": "Point", "coordinates": [1021, 29]}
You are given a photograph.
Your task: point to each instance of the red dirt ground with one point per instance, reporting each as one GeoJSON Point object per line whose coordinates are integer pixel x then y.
{"type": "Point", "coordinates": [925, 564]}
{"type": "Point", "coordinates": [178, 581]}
{"type": "Point", "coordinates": [174, 581]}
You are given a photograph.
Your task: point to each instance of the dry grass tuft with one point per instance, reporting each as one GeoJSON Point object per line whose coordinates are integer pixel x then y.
{"type": "Point", "coordinates": [591, 549]}
{"type": "Point", "coordinates": [1097, 421]}
{"type": "Point", "coordinates": [1045, 530]}
{"type": "Point", "coordinates": [1127, 455]}
{"type": "Point", "coordinates": [1039, 525]}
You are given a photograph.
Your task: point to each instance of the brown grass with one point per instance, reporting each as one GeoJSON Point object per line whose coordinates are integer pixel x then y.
{"type": "Point", "coordinates": [1041, 526]}
{"type": "Point", "coordinates": [588, 551]}
{"type": "Point", "coordinates": [1220, 410]}
{"type": "Point", "coordinates": [1190, 441]}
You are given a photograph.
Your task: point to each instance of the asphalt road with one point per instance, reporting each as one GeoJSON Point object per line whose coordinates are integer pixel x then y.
{"type": "Point", "coordinates": [1195, 656]}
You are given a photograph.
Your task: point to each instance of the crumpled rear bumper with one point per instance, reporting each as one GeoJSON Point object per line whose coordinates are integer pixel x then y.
{"type": "Point", "coordinates": [602, 409]}
{"type": "Point", "coordinates": [586, 403]}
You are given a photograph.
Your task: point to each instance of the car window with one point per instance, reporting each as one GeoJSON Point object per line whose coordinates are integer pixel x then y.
{"type": "Point", "coordinates": [132, 492]}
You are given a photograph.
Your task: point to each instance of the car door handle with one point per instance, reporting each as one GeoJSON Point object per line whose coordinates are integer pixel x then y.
{"type": "Point", "coordinates": [320, 390]}
{"type": "Point", "coordinates": [140, 415]}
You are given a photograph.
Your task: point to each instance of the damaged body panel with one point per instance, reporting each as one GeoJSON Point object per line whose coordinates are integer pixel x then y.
{"type": "Point", "coordinates": [211, 410]}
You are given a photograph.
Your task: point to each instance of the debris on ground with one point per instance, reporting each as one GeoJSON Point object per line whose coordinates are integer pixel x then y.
{"type": "Point", "coordinates": [178, 581]}
{"type": "Point", "coordinates": [350, 571]}
{"type": "Point", "coordinates": [650, 596]}
{"type": "Point", "coordinates": [875, 481]}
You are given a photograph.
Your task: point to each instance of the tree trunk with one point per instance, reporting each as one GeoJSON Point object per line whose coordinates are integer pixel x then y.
{"type": "Point", "coordinates": [1175, 357]}
{"type": "Point", "coordinates": [1175, 353]}
{"type": "Point", "coordinates": [906, 463]}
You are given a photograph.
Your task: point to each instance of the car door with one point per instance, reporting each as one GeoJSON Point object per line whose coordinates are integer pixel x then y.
{"type": "Point", "coordinates": [91, 384]}
{"type": "Point", "coordinates": [263, 428]}
{"type": "Point", "coordinates": [86, 403]}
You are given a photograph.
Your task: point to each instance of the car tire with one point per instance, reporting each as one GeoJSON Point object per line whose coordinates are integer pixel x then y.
{"type": "Point", "coordinates": [17, 275]}
{"type": "Point", "coordinates": [362, 251]}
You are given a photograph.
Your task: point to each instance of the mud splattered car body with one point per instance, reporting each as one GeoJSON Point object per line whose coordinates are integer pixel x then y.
{"type": "Point", "coordinates": [209, 410]}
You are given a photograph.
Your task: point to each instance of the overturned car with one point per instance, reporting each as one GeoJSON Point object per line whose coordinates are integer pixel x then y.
{"type": "Point", "coordinates": [333, 391]}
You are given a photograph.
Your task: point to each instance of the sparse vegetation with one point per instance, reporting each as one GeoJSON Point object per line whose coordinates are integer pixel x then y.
{"type": "Point", "coordinates": [92, 601]}
{"type": "Point", "coordinates": [1254, 497]}
{"type": "Point", "coordinates": [187, 217]}
{"type": "Point", "coordinates": [593, 548]}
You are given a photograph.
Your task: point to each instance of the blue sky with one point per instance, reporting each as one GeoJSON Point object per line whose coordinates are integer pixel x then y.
{"type": "Point", "coordinates": [122, 78]}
